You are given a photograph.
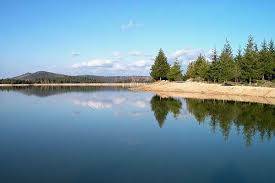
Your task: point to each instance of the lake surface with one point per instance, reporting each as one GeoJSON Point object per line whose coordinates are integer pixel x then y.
{"type": "Point", "coordinates": [116, 135]}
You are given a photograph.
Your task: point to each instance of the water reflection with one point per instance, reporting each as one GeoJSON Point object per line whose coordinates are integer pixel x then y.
{"type": "Point", "coordinates": [46, 91]}
{"type": "Point", "coordinates": [162, 106]}
{"type": "Point", "coordinates": [248, 119]}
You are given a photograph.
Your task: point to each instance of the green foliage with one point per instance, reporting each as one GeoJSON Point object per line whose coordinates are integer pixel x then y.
{"type": "Point", "coordinates": [251, 66]}
{"type": "Point", "coordinates": [162, 106]}
{"type": "Point", "coordinates": [271, 51]}
{"type": "Point", "coordinates": [78, 79]}
{"type": "Point", "coordinates": [175, 73]}
{"type": "Point", "coordinates": [227, 63]}
{"type": "Point", "coordinates": [215, 68]}
{"type": "Point", "coordinates": [199, 68]}
{"type": "Point", "coordinates": [160, 68]}
{"type": "Point", "coordinates": [253, 119]}
{"type": "Point", "coordinates": [236, 69]}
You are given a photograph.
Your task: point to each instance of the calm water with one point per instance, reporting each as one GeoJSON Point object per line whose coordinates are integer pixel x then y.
{"type": "Point", "coordinates": [116, 135]}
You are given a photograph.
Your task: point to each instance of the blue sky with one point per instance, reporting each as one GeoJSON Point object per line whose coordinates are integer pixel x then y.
{"type": "Point", "coordinates": [122, 37]}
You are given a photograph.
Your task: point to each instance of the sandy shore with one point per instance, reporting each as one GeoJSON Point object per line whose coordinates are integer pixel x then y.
{"type": "Point", "coordinates": [198, 90]}
{"type": "Point", "coordinates": [77, 84]}
{"type": "Point", "coordinates": [187, 89]}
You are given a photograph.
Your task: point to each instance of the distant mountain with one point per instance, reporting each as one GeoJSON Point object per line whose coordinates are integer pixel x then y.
{"type": "Point", "coordinates": [49, 77]}
{"type": "Point", "coordinates": [39, 75]}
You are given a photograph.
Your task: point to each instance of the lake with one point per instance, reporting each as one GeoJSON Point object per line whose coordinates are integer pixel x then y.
{"type": "Point", "coordinates": [73, 134]}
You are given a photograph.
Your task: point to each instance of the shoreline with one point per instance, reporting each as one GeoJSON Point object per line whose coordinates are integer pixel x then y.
{"type": "Point", "coordinates": [188, 89]}
{"type": "Point", "coordinates": [204, 91]}
{"type": "Point", "coordinates": [76, 84]}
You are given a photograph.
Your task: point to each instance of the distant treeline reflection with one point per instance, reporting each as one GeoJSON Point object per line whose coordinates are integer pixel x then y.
{"type": "Point", "coordinates": [248, 119]}
{"type": "Point", "coordinates": [45, 91]}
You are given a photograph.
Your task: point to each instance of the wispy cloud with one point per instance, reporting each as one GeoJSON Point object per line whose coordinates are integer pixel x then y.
{"type": "Point", "coordinates": [94, 63]}
{"type": "Point", "coordinates": [136, 53]}
{"type": "Point", "coordinates": [130, 25]}
{"type": "Point", "coordinates": [188, 55]}
{"type": "Point", "coordinates": [75, 54]}
{"type": "Point", "coordinates": [117, 54]}
{"type": "Point", "coordinates": [139, 54]}
{"type": "Point", "coordinates": [134, 62]}
{"type": "Point", "coordinates": [102, 66]}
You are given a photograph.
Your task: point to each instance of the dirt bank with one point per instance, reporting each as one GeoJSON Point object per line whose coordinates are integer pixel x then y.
{"type": "Point", "coordinates": [211, 91]}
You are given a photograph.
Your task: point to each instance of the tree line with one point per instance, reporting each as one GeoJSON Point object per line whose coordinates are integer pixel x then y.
{"type": "Point", "coordinates": [78, 79]}
{"type": "Point", "coordinates": [248, 65]}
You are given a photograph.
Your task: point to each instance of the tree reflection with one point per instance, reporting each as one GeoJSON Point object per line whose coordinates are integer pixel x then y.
{"type": "Point", "coordinates": [162, 106]}
{"type": "Point", "coordinates": [249, 119]}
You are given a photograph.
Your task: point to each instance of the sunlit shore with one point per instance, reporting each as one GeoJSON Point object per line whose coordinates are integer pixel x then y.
{"type": "Point", "coordinates": [211, 91]}
{"type": "Point", "coordinates": [265, 95]}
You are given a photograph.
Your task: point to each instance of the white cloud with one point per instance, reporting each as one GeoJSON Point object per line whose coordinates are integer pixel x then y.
{"type": "Point", "coordinates": [140, 103]}
{"type": "Point", "coordinates": [117, 54]}
{"type": "Point", "coordinates": [117, 67]}
{"type": "Point", "coordinates": [94, 63]}
{"type": "Point", "coordinates": [135, 53]}
{"type": "Point", "coordinates": [189, 55]}
{"type": "Point", "coordinates": [134, 62]}
{"type": "Point", "coordinates": [94, 104]}
{"type": "Point", "coordinates": [130, 25]}
{"type": "Point", "coordinates": [114, 100]}
{"type": "Point", "coordinates": [75, 54]}
{"type": "Point", "coordinates": [139, 54]}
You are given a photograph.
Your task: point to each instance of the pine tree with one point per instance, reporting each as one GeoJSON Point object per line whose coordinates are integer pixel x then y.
{"type": "Point", "coordinates": [215, 67]}
{"type": "Point", "coordinates": [249, 64]}
{"type": "Point", "coordinates": [175, 73]}
{"type": "Point", "coordinates": [265, 61]}
{"type": "Point", "coordinates": [200, 68]}
{"type": "Point", "coordinates": [160, 68]}
{"type": "Point", "coordinates": [227, 62]}
{"type": "Point", "coordinates": [237, 69]}
{"type": "Point", "coordinates": [190, 73]}
{"type": "Point", "coordinates": [271, 52]}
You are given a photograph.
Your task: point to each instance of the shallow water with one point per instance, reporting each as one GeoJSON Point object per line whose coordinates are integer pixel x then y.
{"type": "Point", "coordinates": [115, 135]}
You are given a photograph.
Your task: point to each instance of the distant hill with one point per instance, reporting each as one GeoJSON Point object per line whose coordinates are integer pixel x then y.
{"type": "Point", "coordinates": [49, 77]}
{"type": "Point", "coordinates": [39, 75]}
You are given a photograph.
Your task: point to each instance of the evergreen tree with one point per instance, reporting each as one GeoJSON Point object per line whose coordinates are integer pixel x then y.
{"type": "Point", "coordinates": [215, 69]}
{"type": "Point", "coordinates": [237, 69]}
{"type": "Point", "coordinates": [271, 51]}
{"type": "Point", "coordinates": [175, 73]}
{"type": "Point", "coordinates": [160, 68]}
{"type": "Point", "coordinates": [190, 73]}
{"type": "Point", "coordinates": [227, 62]}
{"type": "Point", "coordinates": [249, 64]}
{"type": "Point", "coordinates": [201, 67]}
{"type": "Point", "coordinates": [265, 62]}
